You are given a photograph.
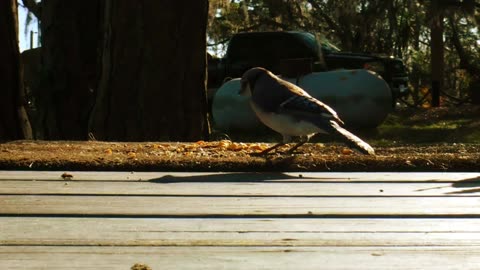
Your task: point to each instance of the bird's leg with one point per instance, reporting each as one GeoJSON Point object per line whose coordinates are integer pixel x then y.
{"type": "Point", "coordinates": [304, 139]}
{"type": "Point", "coordinates": [266, 151]}
{"type": "Point", "coordinates": [290, 151]}
{"type": "Point", "coordinates": [286, 139]}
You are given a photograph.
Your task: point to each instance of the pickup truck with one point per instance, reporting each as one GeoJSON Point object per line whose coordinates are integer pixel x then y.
{"type": "Point", "coordinates": [302, 51]}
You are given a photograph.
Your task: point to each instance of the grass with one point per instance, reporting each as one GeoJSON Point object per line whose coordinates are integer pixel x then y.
{"type": "Point", "coordinates": [403, 127]}
{"type": "Point", "coordinates": [425, 126]}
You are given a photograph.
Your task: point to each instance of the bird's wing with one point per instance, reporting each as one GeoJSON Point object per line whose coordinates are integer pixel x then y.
{"type": "Point", "coordinates": [307, 106]}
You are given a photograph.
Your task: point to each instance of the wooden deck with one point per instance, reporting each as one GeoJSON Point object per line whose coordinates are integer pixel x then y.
{"type": "Point", "coordinates": [112, 220]}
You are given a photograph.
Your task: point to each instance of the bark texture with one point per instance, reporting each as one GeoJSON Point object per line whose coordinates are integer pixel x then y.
{"type": "Point", "coordinates": [65, 95]}
{"type": "Point", "coordinates": [14, 122]}
{"type": "Point", "coordinates": [153, 75]}
{"type": "Point", "coordinates": [437, 61]}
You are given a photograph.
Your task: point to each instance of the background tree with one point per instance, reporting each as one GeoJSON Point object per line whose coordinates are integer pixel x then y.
{"type": "Point", "coordinates": [14, 123]}
{"type": "Point", "coordinates": [65, 93]}
{"type": "Point", "coordinates": [121, 70]}
{"type": "Point", "coordinates": [136, 70]}
{"type": "Point", "coordinates": [400, 28]}
{"type": "Point", "coordinates": [153, 76]}
{"type": "Point", "coordinates": [436, 15]}
{"type": "Point", "coordinates": [466, 46]}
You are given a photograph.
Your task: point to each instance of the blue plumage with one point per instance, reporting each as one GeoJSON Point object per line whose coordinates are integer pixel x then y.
{"type": "Point", "coordinates": [289, 110]}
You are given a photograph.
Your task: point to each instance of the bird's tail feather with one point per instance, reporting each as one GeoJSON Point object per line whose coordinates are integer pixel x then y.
{"type": "Point", "coordinates": [351, 140]}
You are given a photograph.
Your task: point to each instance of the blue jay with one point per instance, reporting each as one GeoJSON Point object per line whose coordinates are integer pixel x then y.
{"type": "Point", "coordinates": [290, 111]}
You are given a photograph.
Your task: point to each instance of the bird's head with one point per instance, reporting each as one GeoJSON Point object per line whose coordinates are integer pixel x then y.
{"type": "Point", "coordinates": [248, 80]}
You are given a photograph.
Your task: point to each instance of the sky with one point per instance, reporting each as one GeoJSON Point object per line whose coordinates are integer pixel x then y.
{"type": "Point", "coordinates": [24, 40]}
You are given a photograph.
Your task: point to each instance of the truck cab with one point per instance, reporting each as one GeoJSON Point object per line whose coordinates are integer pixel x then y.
{"type": "Point", "coordinates": [278, 51]}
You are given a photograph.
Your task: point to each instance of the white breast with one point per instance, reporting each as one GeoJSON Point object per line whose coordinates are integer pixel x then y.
{"type": "Point", "coordinates": [285, 124]}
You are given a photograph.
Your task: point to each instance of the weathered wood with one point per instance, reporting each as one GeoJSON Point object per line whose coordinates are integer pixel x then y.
{"type": "Point", "coordinates": [238, 206]}
{"type": "Point", "coordinates": [169, 177]}
{"type": "Point", "coordinates": [261, 239]}
{"type": "Point", "coordinates": [30, 225]}
{"type": "Point", "coordinates": [237, 188]}
{"type": "Point", "coordinates": [238, 232]}
{"type": "Point", "coordinates": [354, 258]}
{"type": "Point", "coordinates": [103, 220]}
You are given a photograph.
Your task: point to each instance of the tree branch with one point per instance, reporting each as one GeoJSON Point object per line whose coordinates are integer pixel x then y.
{"type": "Point", "coordinates": [331, 23]}
{"type": "Point", "coordinates": [462, 54]}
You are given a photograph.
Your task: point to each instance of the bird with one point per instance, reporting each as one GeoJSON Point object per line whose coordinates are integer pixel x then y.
{"type": "Point", "coordinates": [291, 111]}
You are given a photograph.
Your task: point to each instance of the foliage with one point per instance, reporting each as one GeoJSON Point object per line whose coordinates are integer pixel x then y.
{"type": "Point", "coordinates": [400, 28]}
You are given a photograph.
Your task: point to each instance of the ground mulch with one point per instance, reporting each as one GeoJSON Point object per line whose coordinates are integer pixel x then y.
{"type": "Point", "coordinates": [232, 156]}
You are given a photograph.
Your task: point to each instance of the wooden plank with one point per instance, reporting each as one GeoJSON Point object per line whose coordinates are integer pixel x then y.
{"type": "Point", "coordinates": [262, 239]}
{"type": "Point", "coordinates": [30, 225]}
{"type": "Point", "coordinates": [238, 232]}
{"type": "Point", "coordinates": [354, 258]}
{"type": "Point", "coordinates": [237, 176]}
{"type": "Point", "coordinates": [238, 206]}
{"type": "Point", "coordinates": [236, 189]}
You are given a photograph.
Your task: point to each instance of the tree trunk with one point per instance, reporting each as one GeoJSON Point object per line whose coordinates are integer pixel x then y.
{"type": "Point", "coordinates": [14, 122]}
{"type": "Point", "coordinates": [70, 39]}
{"type": "Point", "coordinates": [466, 60]}
{"type": "Point", "coordinates": [437, 54]}
{"type": "Point", "coordinates": [153, 77]}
